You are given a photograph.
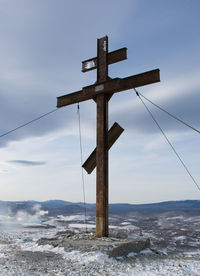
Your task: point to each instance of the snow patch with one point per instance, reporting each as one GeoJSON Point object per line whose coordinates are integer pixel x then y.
{"type": "Point", "coordinates": [79, 225]}
{"type": "Point", "coordinates": [180, 238]}
{"type": "Point", "coordinates": [73, 218]}
{"type": "Point", "coordinates": [125, 223]}
{"type": "Point", "coordinates": [75, 256]}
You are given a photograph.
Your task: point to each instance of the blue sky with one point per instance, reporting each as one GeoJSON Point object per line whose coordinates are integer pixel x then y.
{"type": "Point", "coordinates": [42, 46]}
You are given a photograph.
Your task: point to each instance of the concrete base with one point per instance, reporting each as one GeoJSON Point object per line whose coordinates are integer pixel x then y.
{"type": "Point", "coordinates": [114, 247]}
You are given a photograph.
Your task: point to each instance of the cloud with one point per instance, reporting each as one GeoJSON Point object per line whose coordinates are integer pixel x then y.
{"type": "Point", "coordinates": [42, 47]}
{"type": "Point", "coordinates": [27, 162]}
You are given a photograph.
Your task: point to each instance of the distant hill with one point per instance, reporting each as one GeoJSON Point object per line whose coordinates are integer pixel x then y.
{"type": "Point", "coordinates": [60, 207]}
{"type": "Point", "coordinates": [186, 206]}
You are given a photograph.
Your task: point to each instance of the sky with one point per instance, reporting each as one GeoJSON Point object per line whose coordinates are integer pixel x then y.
{"type": "Point", "coordinates": [42, 46]}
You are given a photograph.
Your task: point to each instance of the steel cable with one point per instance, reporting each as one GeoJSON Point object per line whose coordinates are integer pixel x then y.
{"type": "Point", "coordinates": [25, 124]}
{"type": "Point", "coordinates": [176, 118]}
{"type": "Point", "coordinates": [178, 156]}
{"type": "Point", "coordinates": [82, 173]}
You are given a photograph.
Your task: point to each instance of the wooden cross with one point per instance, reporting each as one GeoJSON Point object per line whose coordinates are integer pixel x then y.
{"type": "Point", "coordinates": [101, 92]}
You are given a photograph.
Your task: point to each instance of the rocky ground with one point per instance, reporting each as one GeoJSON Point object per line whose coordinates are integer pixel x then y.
{"type": "Point", "coordinates": [59, 246]}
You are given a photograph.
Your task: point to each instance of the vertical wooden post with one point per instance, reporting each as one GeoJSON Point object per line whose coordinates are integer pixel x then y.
{"type": "Point", "coordinates": [102, 167]}
{"type": "Point", "coordinates": [102, 149]}
{"type": "Point", "coordinates": [102, 59]}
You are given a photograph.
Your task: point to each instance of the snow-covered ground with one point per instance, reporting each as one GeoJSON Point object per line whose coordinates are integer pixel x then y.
{"type": "Point", "coordinates": [21, 255]}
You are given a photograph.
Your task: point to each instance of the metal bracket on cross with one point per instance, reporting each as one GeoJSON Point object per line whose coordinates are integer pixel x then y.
{"type": "Point", "coordinates": [113, 134]}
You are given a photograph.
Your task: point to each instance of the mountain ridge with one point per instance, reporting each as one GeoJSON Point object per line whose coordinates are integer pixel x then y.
{"type": "Point", "coordinates": [61, 207]}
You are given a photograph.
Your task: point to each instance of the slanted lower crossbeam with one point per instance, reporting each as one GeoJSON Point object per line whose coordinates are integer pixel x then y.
{"type": "Point", "coordinates": [113, 134]}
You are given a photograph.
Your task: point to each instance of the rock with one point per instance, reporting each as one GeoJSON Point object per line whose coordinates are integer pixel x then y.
{"type": "Point", "coordinates": [124, 248]}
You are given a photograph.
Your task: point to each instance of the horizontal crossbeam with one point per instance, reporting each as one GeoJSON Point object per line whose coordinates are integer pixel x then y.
{"type": "Point", "coordinates": [110, 86]}
{"type": "Point", "coordinates": [113, 134]}
{"type": "Point", "coordinates": [113, 57]}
